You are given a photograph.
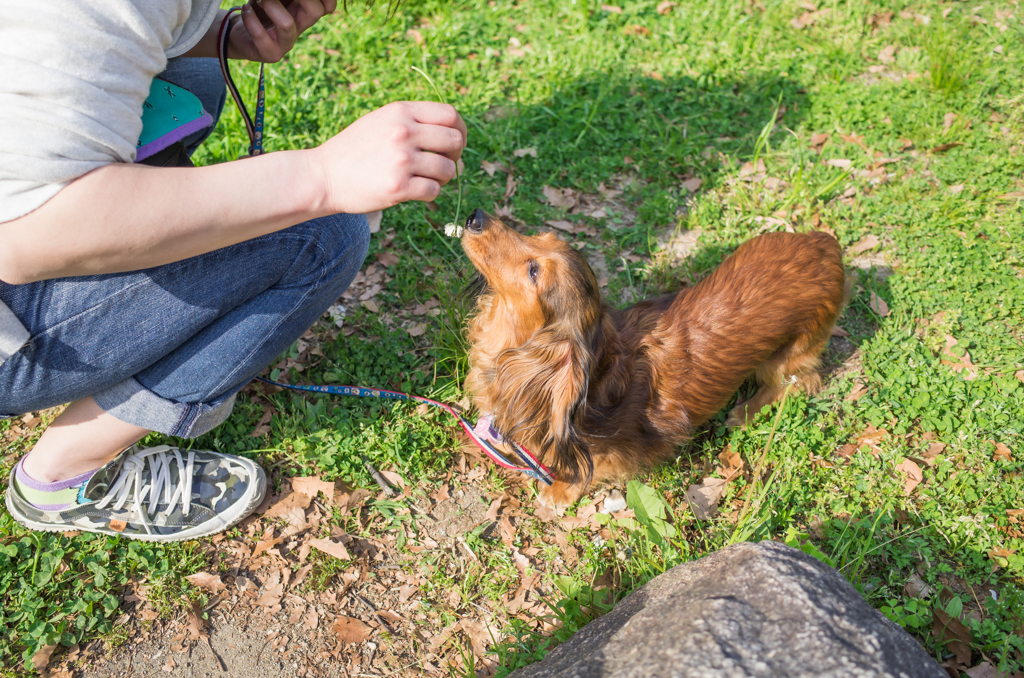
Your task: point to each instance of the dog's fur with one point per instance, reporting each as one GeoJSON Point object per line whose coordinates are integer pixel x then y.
{"type": "Point", "coordinates": [599, 393]}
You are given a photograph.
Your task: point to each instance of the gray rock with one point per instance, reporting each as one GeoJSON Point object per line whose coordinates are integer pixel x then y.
{"type": "Point", "coordinates": [748, 610]}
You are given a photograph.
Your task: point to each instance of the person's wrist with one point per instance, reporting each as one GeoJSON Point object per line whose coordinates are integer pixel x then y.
{"type": "Point", "coordinates": [321, 199]}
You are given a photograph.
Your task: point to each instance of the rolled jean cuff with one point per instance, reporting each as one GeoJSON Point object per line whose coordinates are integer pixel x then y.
{"type": "Point", "coordinates": [133, 403]}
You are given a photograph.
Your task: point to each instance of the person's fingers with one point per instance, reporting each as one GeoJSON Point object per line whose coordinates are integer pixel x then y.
{"type": "Point", "coordinates": [439, 139]}
{"type": "Point", "coordinates": [306, 13]}
{"type": "Point", "coordinates": [330, 6]}
{"type": "Point", "coordinates": [422, 188]}
{"type": "Point", "coordinates": [285, 29]}
{"type": "Point", "coordinates": [432, 166]}
{"type": "Point", "coordinates": [434, 113]}
{"type": "Point", "coordinates": [262, 42]}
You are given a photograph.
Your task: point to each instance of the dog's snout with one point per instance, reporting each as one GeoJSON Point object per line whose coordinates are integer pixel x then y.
{"type": "Point", "coordinates": [476, 221]}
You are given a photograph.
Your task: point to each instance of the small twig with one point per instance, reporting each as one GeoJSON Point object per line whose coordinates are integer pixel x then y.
{"type": "Point", "coordinates": [379, 479]}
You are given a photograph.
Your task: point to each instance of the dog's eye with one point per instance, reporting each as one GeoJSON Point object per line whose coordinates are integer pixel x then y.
{"type": "Point", "coordinates": [534, 270]}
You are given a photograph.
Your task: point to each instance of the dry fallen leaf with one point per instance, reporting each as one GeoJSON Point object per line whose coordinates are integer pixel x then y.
{"type": "Point", "coordinates": [558, 197]}
{"type": "Point", "coordinates": [665, 6]}
{"type": "Point", "coordinates": [859, 389]}
{"type": "Point", "coordinates": [206, 581]}
{"type": "Point", "coordinates": [612, 8]}
{"type": "Point", "coordinates": [196, 623]}
{"type": "Point", "coordinates": [349, 630]}
{"type": "Point", "coordinates": [871, 436]}
{"type": "Point", "coordinates": [169, 666]}
{"type": "Point", "coordinates": [416, 330]}
{"type": "Point", "coordinates": [985, 670]}
{"type": "Point", "coordinates": [636, 30]}
{"type": "Point", "coordinates": [492, 167]}
{"type": "Point", "coordinates": [888, 54]}
{"type": "Point", "coordinates": [492, 512]}
{"type": "Point", "coordinates": [523, 152]}
{"type": "Point", "coordinates": [878, 305]}
{"type": "Point", "coordinates": [868, 242]}
{"type": "Point", "coordinates": [387, 258]}
{"type": "Point", "coordinates": [331, 548]}
{"type": "Point", "coordinates": [272, 596]}
{"type": "Point", "coordinates": [704, 498]}
{"type": "Point", "coordinates": [394, 478]}
{"type": "Point", "coordinates": [838, 331]}
{"type": "Point", "coordinates": [841, 163]}
{"type": "Point", "coordinates": [914, 475]}
{"type": "Point", "coordinates": [692, 185]}
{"type": "Point", "coordinates": [942, 148]}
{"type": "Point", "coordinates": [41, 659]}
{"type": "Point", "coordinates": [311, 485]}
{"type": "Point", "coordinates": [1002, 453]}
{"type": "Point", "coordinates": [953, 634]}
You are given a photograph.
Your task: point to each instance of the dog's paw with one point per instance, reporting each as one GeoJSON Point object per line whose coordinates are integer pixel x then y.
{"type": "Point", "coordinates": [739, 417]}
{"type": "Point", "coordinates": [558, 496]}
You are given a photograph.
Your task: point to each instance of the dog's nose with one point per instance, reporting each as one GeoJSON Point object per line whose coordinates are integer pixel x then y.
{"type": "Point", "coordinates": [476, 221]}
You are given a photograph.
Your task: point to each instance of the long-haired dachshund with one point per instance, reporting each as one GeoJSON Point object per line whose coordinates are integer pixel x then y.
{"type": "Point", "coordinates": [599, 393]}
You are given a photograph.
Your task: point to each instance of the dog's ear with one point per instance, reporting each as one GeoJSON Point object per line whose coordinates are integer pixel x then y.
{"type": "Point", "coordinates": [540, 394]}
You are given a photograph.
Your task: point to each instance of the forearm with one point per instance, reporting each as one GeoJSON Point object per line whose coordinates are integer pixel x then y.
{"type": "Point", "coordinates": [207, 45]}
{"type": "Point", "coordinates": [129, 217]}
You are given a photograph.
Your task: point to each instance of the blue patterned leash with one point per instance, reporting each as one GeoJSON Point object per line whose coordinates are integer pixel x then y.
{"type": "Point", "coordinates": [532, 466]}
{"type": "Point", "coordinates": [253, 127]}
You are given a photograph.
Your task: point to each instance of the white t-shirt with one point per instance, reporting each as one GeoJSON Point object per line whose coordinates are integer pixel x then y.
{"type": "Point", "coordinates": [75, 75]}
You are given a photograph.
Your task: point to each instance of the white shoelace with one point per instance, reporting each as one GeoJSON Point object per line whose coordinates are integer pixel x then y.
{"type": "Point", "coordinates": [130, 483]}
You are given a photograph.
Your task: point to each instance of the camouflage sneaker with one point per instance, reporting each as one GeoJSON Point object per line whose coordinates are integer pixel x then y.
{"type": "Point", "coordinates": [157, 494]}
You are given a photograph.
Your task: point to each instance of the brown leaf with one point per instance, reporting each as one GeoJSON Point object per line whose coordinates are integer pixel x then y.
{"type": "Point", "coordinates": [416, 329]}
{"type": "Point", "coordinates": [41, 658]}
{"type": "Point", "coordinates": [612, 8]}
{"type": "Point", "coordinates": [868, 242]}
{"type": "Point", "coordinates": [311, 620]}
{"type": "Point", "coordinates": [838, 331]}
{"type": "Point", "coordinates": [311, 485]}
{"type": "Point", "coordinates": [492, 167]}
{"type": "Point", "coordinates": [272, 596]}
{"type": "Point", "coordinates": [349, 630]}
{"type": "Point", "coordinates": [853, 138]}
{"type": "Point", "coordinates": [562, 225]}
{"type": "Point", "coordinates": [881, 19]}
{"type": "Point", "coordinates": [523, 152]}
{"type": "Point", "coordinates": [206, 581]}
{"type": "Point", "coordinates": [665, 6]}
{"type": "Point", "coordinates": [196, 623]}
{"type": "Point", "coordinates": [415, 35]}
{"type": "Point", "coordinates": [818, 140]}
{"type": "Point", "coordinates": [871, 436]}
{"type": "Point", "coordinates": [934, 450]}
{"type": "Point", "coordinates": [1002, 453]}
{"type": "Point", "coordinates": [635, 29]}
{"type": "Point", "coordinates": [441, 494]}
{"type": "Point", "coordinates": [888, 54]}
{"type": "Point", "coordinates": [692, 185]}
{"type": "Point", "coordinates": [953, 634]}
{"type": "Point", "coordinates": [521, 561]}
{"type": "Point", "coordinates": [878, 305]}
{"type": "Point", "coordinates": [394, 478]}
{"type": "Point", "coordinates": [508, 533]}
{"type": "Point", "coordinates": [841, 163]}
{"type": "Point", "coordinates": [906, 144]}
{"type": "Point", "coordinates": [387, 258]}
{"type": "Point", "coordinates": [857, 391]}
{"type": "Point", "coordinates": [942, 148]}
{"type": "Point", "coordinates": [492, 512]}
{"type": "Point", "coordinates": [1019, 374]}
{"type": "Point", "coordinates": [704, 498]}
{"type": "Point", "coordinates": [331, 548]}
{"type": "Point", "coordinates": [168, 667]}
{"type": "Point", "coordinates": [478, 634]}
{"type": "Point", "coordinates": [985, 670]}
{"type": "Point", "coordinates": [558, 197]}
{"type": "Point", "coordinates": [406, 592]}
{"type": "Point", "coordinates": [914, 475]}
{"type": "Point", "coordinates": [510, 187]}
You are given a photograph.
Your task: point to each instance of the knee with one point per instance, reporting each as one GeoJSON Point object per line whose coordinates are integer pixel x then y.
{"type": "Point", "coordinates": [344, 241]}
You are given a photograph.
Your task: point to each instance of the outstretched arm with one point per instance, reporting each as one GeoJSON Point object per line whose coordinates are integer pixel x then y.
{"type": "Point", "coordinates": [124, 217]}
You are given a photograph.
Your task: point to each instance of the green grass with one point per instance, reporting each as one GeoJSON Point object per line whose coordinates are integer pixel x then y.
{"type": "Point", "coordinates": [694, 97]}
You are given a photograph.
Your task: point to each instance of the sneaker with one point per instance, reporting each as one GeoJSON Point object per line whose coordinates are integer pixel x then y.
{"type": "Point", "coordinates": [156, 494]}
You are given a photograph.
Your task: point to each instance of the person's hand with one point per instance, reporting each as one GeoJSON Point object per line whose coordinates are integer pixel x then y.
{"type": "Point", "coordinates": [253, 41]}
{"type": "Point", "coordinates": [404, 151]}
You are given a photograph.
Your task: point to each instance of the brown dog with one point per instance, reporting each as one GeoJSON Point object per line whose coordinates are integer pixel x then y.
{"type": "Point", "coordinates": [599, 393]}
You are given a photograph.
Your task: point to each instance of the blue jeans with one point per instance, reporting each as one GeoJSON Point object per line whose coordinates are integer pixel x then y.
{"type": "Point", "coordinates": [167, 348]}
